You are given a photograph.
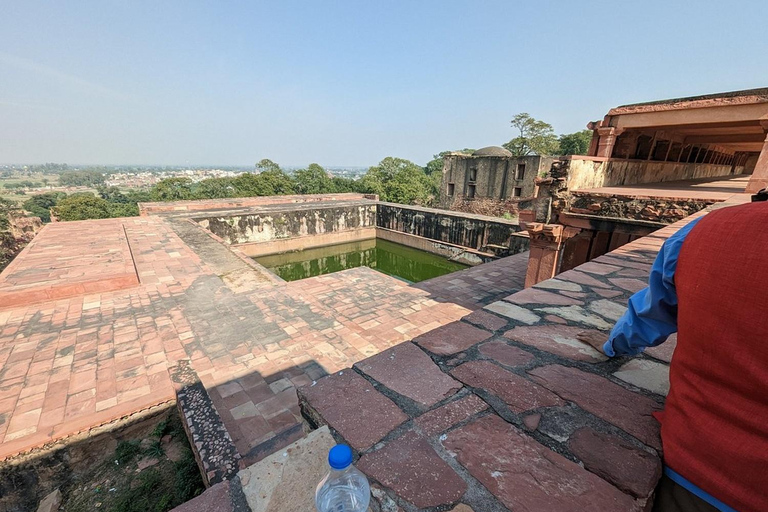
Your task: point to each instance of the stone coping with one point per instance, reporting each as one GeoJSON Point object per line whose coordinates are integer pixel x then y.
{"type": "Point", "coordinates": [507, 408]}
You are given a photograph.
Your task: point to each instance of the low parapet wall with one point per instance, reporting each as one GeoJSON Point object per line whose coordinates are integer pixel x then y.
{"type": "Point", "coordinates": [589, 172]}
{"type": "Point", "coordinates": [243, 202]}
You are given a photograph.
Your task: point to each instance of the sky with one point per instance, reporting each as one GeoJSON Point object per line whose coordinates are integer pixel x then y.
{"type": "Point", "coordinates": [345, 83]}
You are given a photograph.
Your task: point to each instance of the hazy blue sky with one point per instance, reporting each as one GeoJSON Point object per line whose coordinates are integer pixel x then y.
{"type": "Point", "coordinates": [345, 83]}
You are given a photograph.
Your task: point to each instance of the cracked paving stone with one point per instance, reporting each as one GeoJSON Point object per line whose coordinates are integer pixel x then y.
{"type": "Point", "coordinates": [556, 339]}
{"type": "Point", "coordinates": [506, 354]}
{"type": "Point", "coordinates": [514, 312]}
{"type": "Point", "coordinates": [452, 338]}
{"type": "Point", "coordinates": [578, 314]}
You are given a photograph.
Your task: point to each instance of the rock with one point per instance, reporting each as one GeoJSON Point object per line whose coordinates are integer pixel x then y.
{"type": "Point", "coordinates": [452, 338]}
{"type": "Point", "coordinates": [175, 451]}
{"type": "Point", "coordinates": [519, 393]}
{"type": "Point", "coordinates": [608, 309]}
{"type": "Point", "coordinates": [595, 207]}
{"type": "Point", "coordinates": [443, 418]}
{"type": "Point", "coordinates": [50, 503]}
{"type": "Point", "coordinates": [486, 320]}
{"type": "Point", "coordinates": [166, 439]}
{"type": "Point", "coordinates": [629, 411]}
{"type": "Point", "coordinates": [536, 296]}
{"type": "Point", "coordinates": [525, 475]}
{"type": "Point", "coordinates": [608, 456]}
{"type": "Point", "coordinates": [350, 405]}
{"type": "Point", "coordinates": [514, 312]}
{"type": "Point", "coordinates": [411, 468]}
{"type": "Point", "coordinates": [145, 463]}
{"type": "Point", "coordinates": [532, 421]}
{"type": "Point", "coordinates": [578, 314]}
{"type": "Point", "coordinates": [407, 370]}
{"type": "Point", "coordinates": [214, 499]}
{"type": "Point", "coordinates": [506, 354]}
{"type": "Point", "coordinates": [286, 480]}
{"type": "Point", "coordinates": [645, 374]}
{"type": "Point", "coordinates": [629, 284]}
{"type": "Point", "coordinates": [561, 340]}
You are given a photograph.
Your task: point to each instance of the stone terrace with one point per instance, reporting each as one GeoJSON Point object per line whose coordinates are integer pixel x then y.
{"type": "Point", "coordinates": [198, 323]}
{"type": "Point", "coordinates": [506, 408]}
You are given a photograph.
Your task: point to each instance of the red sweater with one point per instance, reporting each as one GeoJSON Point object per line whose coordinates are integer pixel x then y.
{"type": "Point", "coordinates": [715, 424]}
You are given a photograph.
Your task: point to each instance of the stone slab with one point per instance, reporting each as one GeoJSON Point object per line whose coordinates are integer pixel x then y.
{"type": "Point", "coordinates": [286, 480]}
{"type": "Point", "coordinates": [351, 406]}
{"type": "Point", "coordinates": [506, 354]}
{"type": "Point", "coordinates": [407, 370]}
{"type": "Point", "coordinates": [444, 417]}
{"type": "Point", "coordinates": [559, 284]}
{"type": "Point", "coordinates": [214, 499]}
{"type": "Point", "coordinates": [645, 374]}
{"type": "Point", "coordinates": [514, 312]}
{"type": "Point", "coordinates": [452, 338]}
{"type": "Point", "coordinates": [560, 340]}
{"type": "Point", "coordinates": [525, 475]}
{"type": "Point", "coordinates": [413, 470]}
{"type": "Point", "coordinates": [664, 351]}
{"type": "Point", "coordinates": [486, 320]}
{"type": "Point", "coordinates": [630, 469]}
{"type": "Point", "coordinates": [536, 296]}
{"type": "Point", "coordinates": [519, 393]}
{"type": "Point", "coordinates": [629, 284]}
{"type": "Point", "coordinates": [51, 502]}
{"type": "Point", "coordinates": [578, 314]}
{"type": "Point", "coordinates": [608, 309]}
{"type": "Point", "coordinates": [616, 405]}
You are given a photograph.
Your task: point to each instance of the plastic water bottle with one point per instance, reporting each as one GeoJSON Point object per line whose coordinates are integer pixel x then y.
{"type": "Point", "coordinates": [344, 488]}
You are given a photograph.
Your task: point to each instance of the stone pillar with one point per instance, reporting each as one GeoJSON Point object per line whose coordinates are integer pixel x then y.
{"type": "Point", "coordinates": [759, 179]}
{"type": "Point", "coordinates": [607, 140]}
{"type": "Point", "coordinates": [546, 244]}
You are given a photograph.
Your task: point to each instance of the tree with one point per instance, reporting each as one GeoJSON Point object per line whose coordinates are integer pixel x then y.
{"type": "Point", "coordinates": [267, 165]}
{"type": "Point", "coordinates": [576, 143]}
{"type": "Point", "coordinates": [312, 180]}
{"type": "Point", "coordinates": [400, 181]}
{"type": "Point", "coordinates": [266, 183]}
{"type": "Point", "coordinates": [81, 207]}
{"type": "Point", "coordinates": [87, 178]}
{"type": "Point", "coordinates": [40, 205]}
{"type": "Point", "coordinates": [214, 188]}
{"type": "Point", "coordinates": [535, 137]}
{"type": "Point", "coordinates": [172, 189]}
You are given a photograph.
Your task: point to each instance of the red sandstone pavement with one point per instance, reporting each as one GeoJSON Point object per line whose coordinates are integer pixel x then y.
{"type": "Point", "coordinates": [87, 359]}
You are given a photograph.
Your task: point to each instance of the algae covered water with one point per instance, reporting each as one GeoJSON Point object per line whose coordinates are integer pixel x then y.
{"type": "Point", "coordinates": [406, 263]}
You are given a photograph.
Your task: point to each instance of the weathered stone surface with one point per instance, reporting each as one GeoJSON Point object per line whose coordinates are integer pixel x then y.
{"type": "Point", "coordinates": [525, 475]}
{"type": "Point", "coordinates": [556, 339]}
{"type": "Point", "coordinates": [645, 374]}
{"type": "Point", "coordinates": [629, 284]}
{"type": "Point", "coordinates": [608, 309]}
{"type": "Point", "coordinates": [486, 320]}
{"type": "Point", "coordinates": [286, 480]}
{"type": "Point", "coordinates": [51, 502]}
{"type": "Point", "coordinates": [214, 499]}
{"type": "Point", "coordinates": [664, 351]}
{"type": "Point", "coordinates": [462, 508]}
{"type": "Point", "coordinates": [407, 370]}
{"type": "Point", "coordinates": [452, 338]}
{"type": "Point", "coordinates": [628, 468]}
{"type": "Point", "coordinates": [574, 276]}
{"type": "Point", "coordinates": [559, 284]}
{"type": "Point", "coordinates": [578, 314]}
{"type": "Point", "coordinates": [514, 312]}
{"type": "Point", "coordinates": [535, 296]}
{"type": "Point", "coordinates": [532, 421]}
{"type": "Point", "coordinates": [411, 468]}
{"type": "Point", "coordinates": [608, 294]}
{"type": "Point", "coordinates": [611, 402]}
{"type": "Point", "coordinates": [506, 354]}
{"type": "Point", "coordinates": [601, 269]}
{"type": "Point", "coordinates": [444, 417]}
{"type": "Point", "coordinates": [350, 405]}
{"type": "Point", "coordinates": [517, 392]}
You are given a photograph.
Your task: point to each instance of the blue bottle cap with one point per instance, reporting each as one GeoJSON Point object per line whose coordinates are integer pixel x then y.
{"type": "Point", "coordinates": [340, 456]}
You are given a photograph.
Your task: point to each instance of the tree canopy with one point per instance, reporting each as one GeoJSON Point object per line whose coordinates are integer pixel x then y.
{"type": "Point", "coordinates": [534, 137]}
{"type": "Point", "coordinates": [400, 181]}
{"type": "Point", "coordinates": [576, 143]}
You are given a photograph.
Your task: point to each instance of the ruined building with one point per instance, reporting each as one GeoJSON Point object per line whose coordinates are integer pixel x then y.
{"type": "Point", "coordinates": [489, 173]}
{"type": "Point", "coordinates": [649, 165]}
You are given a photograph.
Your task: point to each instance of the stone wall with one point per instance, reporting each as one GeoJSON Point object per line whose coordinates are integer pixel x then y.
{"type": "Point", "coordinates": [591, 172]}
{"type": "Point", "coordinates": [653, 209]}
{"type": "Point", "coordinates": [476, 232]}
{"type": "Point", "coordinates": [494, 177]}
{"type": "Point", "coordinates": [294, 227]}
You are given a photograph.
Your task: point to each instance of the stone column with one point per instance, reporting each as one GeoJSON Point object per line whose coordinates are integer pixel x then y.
{"type": "Point", "coordinates": [759, 179]}
{"type": "Point", "coordinates": [607, 140]}
{"type": "Point", "coordinates": [546, 244]}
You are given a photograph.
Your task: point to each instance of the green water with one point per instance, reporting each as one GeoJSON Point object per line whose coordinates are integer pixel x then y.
{"type": "Point", "coordinates": [393, 259]}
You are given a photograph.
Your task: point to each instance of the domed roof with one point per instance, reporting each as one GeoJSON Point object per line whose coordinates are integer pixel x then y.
{"type": "Point", "coordinates": [492, 151]}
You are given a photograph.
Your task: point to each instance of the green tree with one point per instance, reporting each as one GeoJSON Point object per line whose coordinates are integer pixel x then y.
{"type": "Point", "coordinates": [535, 137]}
{"type": "Point", "coordinates": [214, 188]}
{"type": "Point", "coordinates": [436, 164]}
{"type": "Point", "coordinates": [400, 181]}
{"type": "Point", "coordinates": [266, 183]}
{"type": "Point", "coordinates": [312, 180]}
{"type": "Point", "coordinates": [267, 165]}
{"type": "Point", "coordinates": [40, 205]}
{"type": "Point", "coordinates": [82, 206]}
{"type": "Point", "coordinates": [172, 189]}
{"type": "Point", "coordinates": [86, 178]}
{"type": "Point", "coordinates": [576, 143]}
